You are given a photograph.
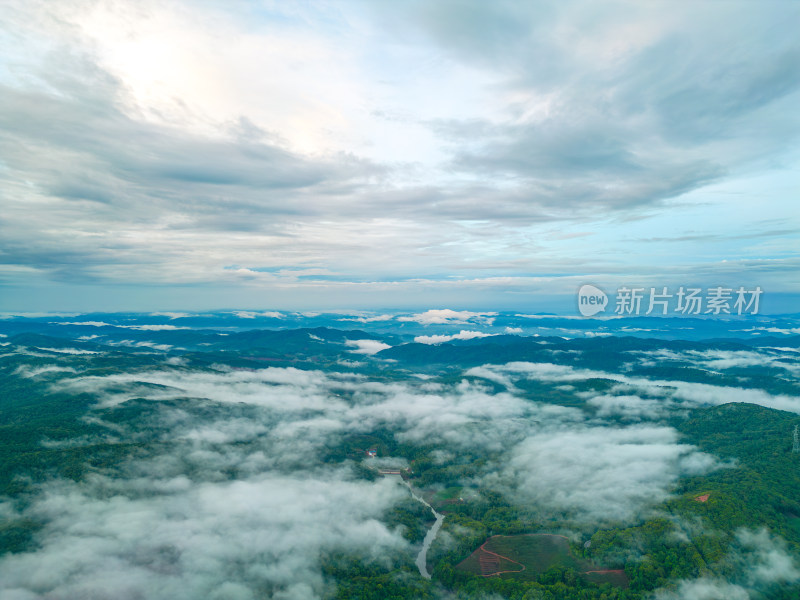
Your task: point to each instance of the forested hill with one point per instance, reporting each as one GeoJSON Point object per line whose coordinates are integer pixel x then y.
{"type": "Point", "coordinates": [591, 467]}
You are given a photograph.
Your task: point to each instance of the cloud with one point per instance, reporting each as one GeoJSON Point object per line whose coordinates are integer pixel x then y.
{"type": "Point", "coordinates": [238, 494]}
{"type": "Point", "coordinates": [602, 474]}
{"type": "Point", "coordinates": [154, 160]}
{"type": "Point", "coordinates": [69, 351]}
{"type": "Point", "coordinates": [620, 123]}
{"type": "Point", "coordinates": [166, 537]}
{"type": "Point", "coordinates": [695, 394]}
{"type": "Point", "coordinates": [590, 470]}
{"type": "Point", "coordinates": [706, 588]}
{"type": "Point", "coordinates": [137, 327]}
{"type": "Point", "coordinates": [725, 359]}
{"type": "Point", "coordinates": [372, 319]}
{"type": "Point", "coordinates": [448, 316]}
{"type": "Point", "coordinates": [289, 389]}
{"type": "Point", "coordinates": [630, 407]}
{"type": "Point", "coordinates": [760, 563]}
{"type": "Point", "coordinates": [784, 331]}
{"type": "Point", "coordinates": [543, 371]}
{"type": "Point", "coordinates": [769, 561]}
{"type": "Point", "coordinates": [152, 327]}
{"type": "Point", "coordinates": [711, 395]}
{"type": "Point", "coordinates": [305, 410]}
{"type": "Point", "coordinates": [367, 346]}
{"type": "Point", "coordinates": [141, 344]}
{"type": "Point", "coordinates": [30, 372]}
{"type": "Point", "coordinates": [721, 359]}
{"type": "Point", "coordinates": [461, 335]}
{"type": "Point", "coordinates": [207, 534]}
{"type": "Point", "coordinates": [232, 498]}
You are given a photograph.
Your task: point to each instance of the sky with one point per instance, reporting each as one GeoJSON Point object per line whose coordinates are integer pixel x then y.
{"type": "Point", "coordinates": [209, 154]}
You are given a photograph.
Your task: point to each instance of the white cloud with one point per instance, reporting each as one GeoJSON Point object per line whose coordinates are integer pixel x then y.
{"type": "Point", "coordinates": [724, 359]}
{"type": "Point", "coordinates": [168, 537]}
{"type": "Point", "coordinates": [30, 372]}
{"type": "Point", "coordinates": [245, 314]}
{"type": "Point", "coordinates": [137, 327]}
{"type": "Point", "coordinates": [142, 344]}
{"type": "Point", "coordinates": [491, 374]}
{"type": "Point", "coordinates": [450, 317]}
{"type": "Point", "coordinates": [630, 407]}
{"type": "Point", "coordinates": [367, 346]}
{"type": "Point", "coordinates": [546, 371]}
{"type": "Point", "coordinates": [272, 314]}
{"type": "Point", "coordinates": [152, 327]}
{"type": "Point", "coordinates": [69, 351]}
{"type": "Point", "coordinates": [310, 407]}
{"type": "Point", "coordinates": [373, 319]}
{"type": "Point", "coordinates": [288, 389]}
{"type": "Point", "coordinates": [461, 335]}
{"type": "Point", "coordinates": [769, 561]}
{"type": "Point", "coordinates": [706, 588]}
{"type": "Point", "coordinates": [782, 330]}
{"type": "Point", "coordinates": [602, 473]}
{"type": "Point", "coordinates": [681, 391]}
{"type": "Point", "coordinates": [271, 426]}
{"type": "Point", "coordinates": [351, 364]}
{"type": "Point", "coordinates": [760, 564]}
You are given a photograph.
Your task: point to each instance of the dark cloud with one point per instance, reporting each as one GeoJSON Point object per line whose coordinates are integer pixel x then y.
{"type": "Point", "coordinates": [586, 114]}
{"type": "Point", "coordinates": [89, 141]}
{"type": "Point", "coordinates": [634, 107]}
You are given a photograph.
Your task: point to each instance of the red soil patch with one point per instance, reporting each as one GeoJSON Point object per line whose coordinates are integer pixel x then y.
{"type": "Point", "coordinates": [703, 498]}
{"type": "Point", "coordinates": [550, 550]}
{"type": "Point", "coordinates": [490, 562]}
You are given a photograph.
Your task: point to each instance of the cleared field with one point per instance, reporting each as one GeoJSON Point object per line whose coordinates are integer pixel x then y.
{"type": "Point", "coordinates": [449, 494]}
{"type": "Point", "coordinates": [527, 556]}
{"type": "Point", "coordinates": [487, 563]}
{"type": "Point", "coordinates": [615, 577]}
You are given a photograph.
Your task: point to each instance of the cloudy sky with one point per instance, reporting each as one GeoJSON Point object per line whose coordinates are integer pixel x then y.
{"type": "Point", "coordinates": [206, 154]}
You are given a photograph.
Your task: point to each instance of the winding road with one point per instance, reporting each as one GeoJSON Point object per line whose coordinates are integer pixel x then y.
{"type": "Point", "coordinates": [499, 556]}
{"type": "Point", "coordinates": [422, 557]}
